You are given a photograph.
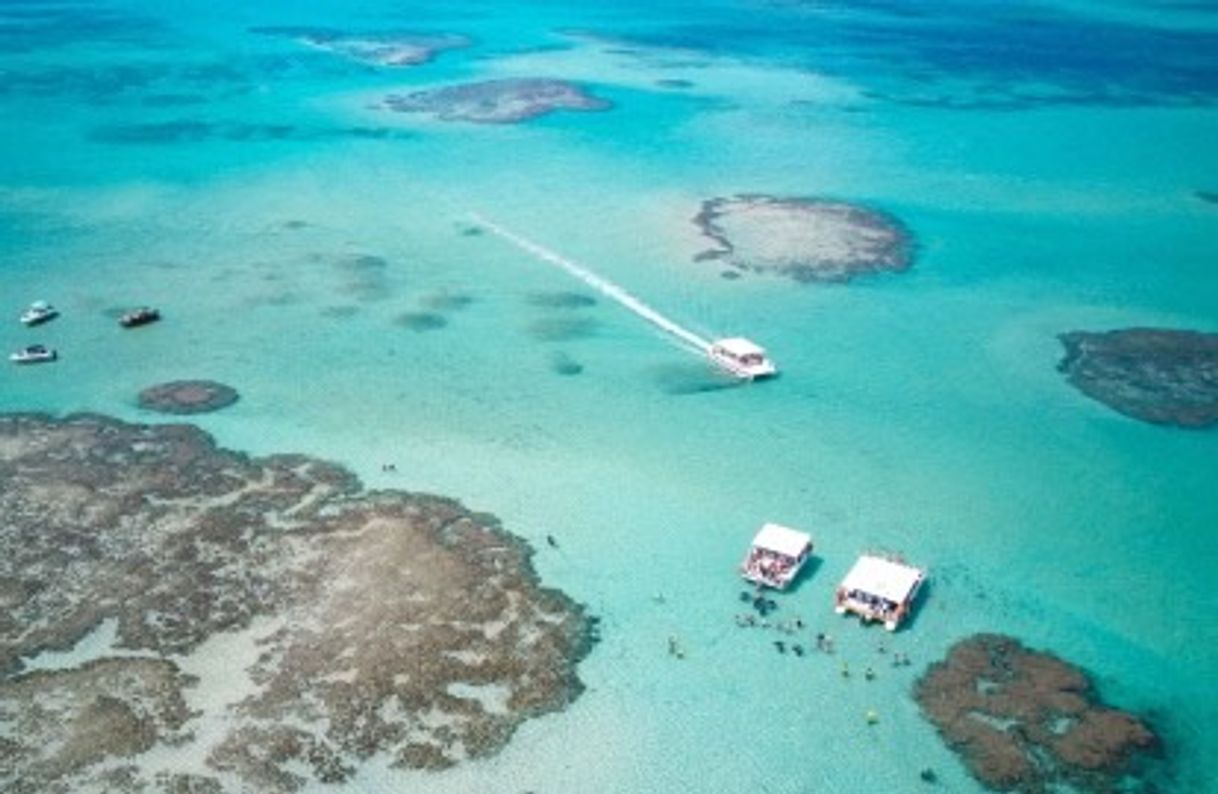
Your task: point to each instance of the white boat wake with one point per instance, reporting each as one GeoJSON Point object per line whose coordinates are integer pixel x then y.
{"type": "Point", "coordinates": [602, 285]}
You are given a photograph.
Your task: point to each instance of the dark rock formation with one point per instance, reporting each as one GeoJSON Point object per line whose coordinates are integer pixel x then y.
{"type": "Point", "coordinates": [188, 397]}
{"type": "Point", "coordinates": [803, 239]}
{"type": "Point", "coordinates": [1027, 721]}
{"type": "Point", "coordinates": [507, 101]}
{"type": "Point", "coordinates": [1157, 375]}
{"type": "Point", "coordinates": [380, 623]}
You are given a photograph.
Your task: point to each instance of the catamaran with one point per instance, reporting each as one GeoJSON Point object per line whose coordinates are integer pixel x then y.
{"type": "Point", "coordinates": [879, 588]}
{"type": "Point", "coordinates": [742, 358]}
{"type": "Point", "coordinates": [776, 556]}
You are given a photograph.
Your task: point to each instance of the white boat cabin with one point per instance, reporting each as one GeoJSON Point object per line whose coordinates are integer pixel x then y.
{"type": "Point", "coordinates": [776, 556]}
{"type": "Point", "coordinates": [742, 358]}
{"type": "Point", "coordinates": [881, 589]}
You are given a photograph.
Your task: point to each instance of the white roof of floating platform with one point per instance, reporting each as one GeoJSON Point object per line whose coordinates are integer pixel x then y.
{"type": "Point", "coordinates": [739, 346]}
{"type": "Point", "coordinates": [884, 578]}
{"type": "Point", "coordinates": [782, 540]}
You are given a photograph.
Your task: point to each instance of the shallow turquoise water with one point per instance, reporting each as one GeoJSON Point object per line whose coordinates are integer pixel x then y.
{"type": "Point", "coordinates": [920, 413]}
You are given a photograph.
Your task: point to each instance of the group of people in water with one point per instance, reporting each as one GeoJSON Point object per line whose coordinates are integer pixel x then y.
{"type": "Point", "coordinates": [759, 618]}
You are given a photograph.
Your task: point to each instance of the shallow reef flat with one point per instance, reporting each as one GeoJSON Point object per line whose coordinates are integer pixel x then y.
{"type": "Point", "coordinates": [397, 625]}
{"type": "Point", "coordinates": [507, 101]}
{"type": "Point", "coordinates": [1158, 375]}
{"type": "Point", "coordinates": [805, 239]}
{"type": "Point", "coordinates": [1025, 720]}
{"type": "Point", "coordinates": [378, 49]}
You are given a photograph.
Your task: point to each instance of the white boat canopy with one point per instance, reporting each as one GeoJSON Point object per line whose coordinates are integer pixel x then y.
{"type": "Point", "coordinates": [782, 540]}
{"type": "Point", "coordinates": [877, 576]}
{"type": "Point", "coordinates": [739, 347]}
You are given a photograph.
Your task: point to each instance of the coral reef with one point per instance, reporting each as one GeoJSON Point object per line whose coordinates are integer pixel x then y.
{"type": "Point", "coordinates": [60, 723]}
{"type": "Point", "coordinates": [187, 397]}
{"type": "Point", "coordinates": [803, 239]}
{"type": "Point", "coordinates": [1158, 375]}
{"type": "Point", "coordinates": [1025, 720]}
{"type": "Point", "coordinates": [508, 101]}
{"type": "Point", "coordinates": [381, 623]}
{"type": "Point", "coordinates": [377, 49]}
{"type": "Point", "coordinates": [421, 321]}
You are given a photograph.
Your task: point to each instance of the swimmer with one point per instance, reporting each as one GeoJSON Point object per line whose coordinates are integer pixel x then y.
{"type": "Point", "coordinates": [781, 646]}
{"type": "Point", "coordinates": [552, 541]}
{"type": "Point", "coordinates": [798, 649]}
{"type": "Point", "coordinates": [845, 670]}
{"type": "Point", "coordinates": [869, 674]}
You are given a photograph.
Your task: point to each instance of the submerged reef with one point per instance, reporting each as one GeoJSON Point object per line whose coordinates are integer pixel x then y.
{"type": "Point", "coordinates": [1158, 375]}
{"type": "Point", "coordinates": [507, 101]}
{"type": "Point", "coordinates": [801, 238]}
{"type": "Point", "coordinates": [188, 397]}
{"type": "Point", "coordinates": [377, 49]}
{"type": "Point", "coordinates": [373, 623]}
{"type": "Point", "coordinates": [561, 299]}
{"type": "Point", "coordinates": [1027, 721]}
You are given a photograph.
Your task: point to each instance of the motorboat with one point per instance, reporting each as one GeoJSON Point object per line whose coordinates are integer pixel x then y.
{"type": "Point", "coordinates": [39, 313]}
{"type": "Point", "coordinates": [33, 354]}
{"type": "Point", "coordinates": [137, 317]}
{"type": "Point", "coordinates": [742, 358]}
{"type": "Point", "coordinates": [776, 556]}
{"type": "Point", "coordinates": [879, 588]}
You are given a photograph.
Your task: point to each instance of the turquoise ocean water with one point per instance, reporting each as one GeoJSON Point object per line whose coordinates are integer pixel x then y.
{"type": "Point", "coordinates": [1046, 157]}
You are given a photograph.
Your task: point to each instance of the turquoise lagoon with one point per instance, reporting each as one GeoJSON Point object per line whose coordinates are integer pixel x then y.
{"type": "Point", "coordinates": [1046, 157]}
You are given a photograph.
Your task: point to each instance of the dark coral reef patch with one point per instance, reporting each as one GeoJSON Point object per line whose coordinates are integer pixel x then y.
{"type": "Point", "coordinates": [805, 239]}
{"type": "Point", "coordinates": [379, 623]}
{"type": "Point", "coordinates": [1024, 720]}
{"type": "Point", "coordinates": [188, 397]}
{"type": "Point", "coordinates": [1158, 375]}
{"type": "Point", "coordinates": [506, 101]}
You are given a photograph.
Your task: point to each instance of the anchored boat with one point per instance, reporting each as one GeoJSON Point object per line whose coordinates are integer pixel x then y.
{"type": "Point", "coordinates": [879, 588]}
{"type": "Point", "coordinates": [742, 358]}
{"type": "Point", "coordinates": [39, 312]}
{"type": "Point", "coordinates": [34, 354]}
{"type": "Point", "coordinates": [137, 317]}
{"type": "Point", "coordinates": [776, 556]}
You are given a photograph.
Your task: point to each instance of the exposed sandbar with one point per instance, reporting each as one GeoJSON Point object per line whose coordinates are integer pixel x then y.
{"type": "Point", "coordinates": [1158, 375]}
{"type": "Point", "coordinates": [378, 49]}
{"type": "Point", "coordinates": [805, 239]}
{"type": "Point", "coordinates": [393, 612]}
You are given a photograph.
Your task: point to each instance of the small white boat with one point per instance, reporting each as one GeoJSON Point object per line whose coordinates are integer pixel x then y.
{"type": "Point", "coordinates": [39, 313]}
{"type": "Point", "coordinates": [878, 588]}
{"type": "Point", "coordinates": [742, 358]}
{"type": "Point", "coordinates": [776, 556]}
{"type": "Point", "coordinates": [34, 354]}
